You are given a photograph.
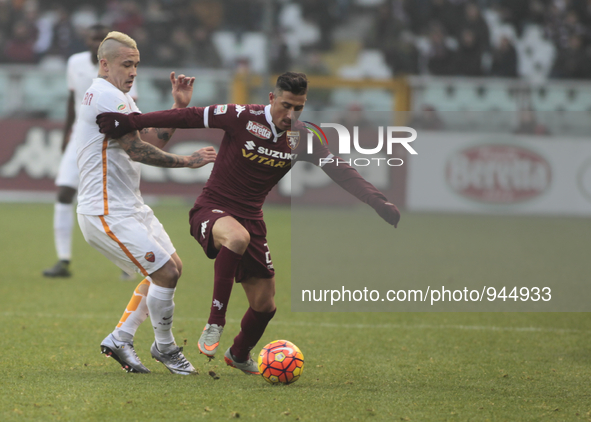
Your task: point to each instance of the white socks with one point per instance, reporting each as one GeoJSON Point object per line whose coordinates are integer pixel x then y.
{"type": "Point", "coordinates": [63, 223]}
{"type": "Point", "coordinates": [153, 300]}
{"type": "Point", "coordinates": [161, 307]}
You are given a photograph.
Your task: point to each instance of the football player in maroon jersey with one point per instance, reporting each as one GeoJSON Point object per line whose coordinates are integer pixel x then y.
{"type": "Point", "coordinates": [259, 147]}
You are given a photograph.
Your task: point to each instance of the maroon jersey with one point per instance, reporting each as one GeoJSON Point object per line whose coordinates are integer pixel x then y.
{"type": "Point", "coordinates": [253, 156]}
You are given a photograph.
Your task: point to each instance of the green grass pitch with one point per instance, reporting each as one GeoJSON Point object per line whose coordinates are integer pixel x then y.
{"type": "Point", "coordinates": [358, 366]}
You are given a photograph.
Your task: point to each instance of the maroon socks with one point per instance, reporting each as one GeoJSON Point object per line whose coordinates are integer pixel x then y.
{"type": "Point", "coordinates": [252, 328]}
{"type": "Point", "coordinates": [225, 267]}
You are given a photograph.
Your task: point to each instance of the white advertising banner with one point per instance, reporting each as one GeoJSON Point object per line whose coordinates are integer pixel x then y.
{"type": "Point", "coordinates": [499, 174]}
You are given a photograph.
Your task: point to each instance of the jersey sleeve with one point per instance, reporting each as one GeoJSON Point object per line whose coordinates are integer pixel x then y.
{"type": "Point", "coordinates": [223, 116]}
{"type": "Point", "coordinates": [131, 100]}
{"type": "Point", "coordinates": [113, 102]}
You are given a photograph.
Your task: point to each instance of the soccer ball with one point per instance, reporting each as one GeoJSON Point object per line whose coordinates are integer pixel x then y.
{"type": "Point", "coordinates": [281, 362]}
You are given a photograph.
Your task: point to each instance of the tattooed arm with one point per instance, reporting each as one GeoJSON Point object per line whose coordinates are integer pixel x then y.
{"type": "Point", "coordinates": [157, 136]}
{"type": "Point", "coordinates": [147, 153]}
{"type": "Point", "coordinates": [182, 90]}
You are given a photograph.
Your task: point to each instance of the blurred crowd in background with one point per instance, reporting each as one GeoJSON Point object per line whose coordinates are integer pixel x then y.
{"type": "Point", "coordinates": [349, 38]}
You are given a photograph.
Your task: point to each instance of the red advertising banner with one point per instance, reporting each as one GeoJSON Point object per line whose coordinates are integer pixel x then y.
{"type": "Point", "coordinates": [500, 174]}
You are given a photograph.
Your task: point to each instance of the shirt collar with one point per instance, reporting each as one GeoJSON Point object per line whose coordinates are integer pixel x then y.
{"type": "Point", "coordinates": [269, 118]}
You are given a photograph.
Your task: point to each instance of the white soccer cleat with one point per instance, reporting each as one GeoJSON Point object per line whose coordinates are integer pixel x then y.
{"type": "Point", "coordinates": [124, 353]}
{"type": "Point", "coordinates": [174, 361]}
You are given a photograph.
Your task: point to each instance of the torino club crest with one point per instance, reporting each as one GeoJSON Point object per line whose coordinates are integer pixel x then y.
{"type": "Point", "coordinates": [293, 139]}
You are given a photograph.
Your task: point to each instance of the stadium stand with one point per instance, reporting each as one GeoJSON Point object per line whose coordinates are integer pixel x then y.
{"type": "Point", "coordinates": [52, 29]}
{"type": "Point", "coordinates": [445, 46]}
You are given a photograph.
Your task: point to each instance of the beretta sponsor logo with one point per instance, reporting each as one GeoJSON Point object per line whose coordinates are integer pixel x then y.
{"type": "Point", "coordinates": [500, 174]}
{"type": "Point", "coordinates": [258, 130]}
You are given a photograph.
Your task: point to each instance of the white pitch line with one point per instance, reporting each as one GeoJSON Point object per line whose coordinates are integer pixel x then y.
{"type": "Point", "coordinates": [324, 324]}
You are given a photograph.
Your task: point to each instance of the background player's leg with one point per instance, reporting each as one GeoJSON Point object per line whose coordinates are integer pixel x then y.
{"type": "Point", "coordinates": [261, 298]}
{"type": "Point", "coordinates": [63, 224]}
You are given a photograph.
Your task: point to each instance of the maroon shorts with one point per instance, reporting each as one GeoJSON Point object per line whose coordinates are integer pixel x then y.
{"type": "Point", "coordinates": [256, 261]}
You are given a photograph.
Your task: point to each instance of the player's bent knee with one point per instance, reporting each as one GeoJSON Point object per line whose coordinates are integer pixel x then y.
{"type": "Point", "coordinates": [230, 233]}
{"type": "Point", "coordinates": [167, 276]}
{"type": "Point", "coordinates": [179, 265]}
{"type": "Point", "coordinates": [173, 274]}
{"type": "Point", "coordinates": [238, 242]}
{"type": "Point", "coordinates": [269, 307]}
{"type": "Point", "coordinates": [265, 305]}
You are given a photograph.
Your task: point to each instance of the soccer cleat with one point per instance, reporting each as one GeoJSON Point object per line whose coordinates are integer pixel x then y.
{"type": "Point", "coordinates": [60, 269]}
{"type": "Point", "coordinates": [249, 367]}
{"type": "Point", "coordinates": [210, 339]}
{"type": "Point", "coordinates": [124, 353]}
{"type": "Point", "coordinates": [175, 361]}
{"type": "Point", "coordinates": [126, 277]}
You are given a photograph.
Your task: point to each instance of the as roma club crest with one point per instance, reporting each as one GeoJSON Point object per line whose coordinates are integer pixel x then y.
{"type": "Point", "coordinates": [150, 257]}
{"type": "Point", "coordinates": [293, 139]}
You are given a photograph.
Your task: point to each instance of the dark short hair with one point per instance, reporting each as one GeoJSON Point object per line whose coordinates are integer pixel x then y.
{"type": "Point", "coordinates": [294, 82]}
{"type": "Point", "coordinates": [98, 27]}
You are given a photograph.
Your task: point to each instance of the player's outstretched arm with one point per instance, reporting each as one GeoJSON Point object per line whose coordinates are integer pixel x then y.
{"type": "Point", "coordinates": [146, 153]}
{"type": "Point", "coordinates": [387, 210]}
{"type": "Point", "coordinates": [115, 125]}
{"type": "Point", "coordinates": [182, 92]}
{"type": "Point", "coordinates": [157, 136]}
{"type": "Point", "coordinates": [350, 180]}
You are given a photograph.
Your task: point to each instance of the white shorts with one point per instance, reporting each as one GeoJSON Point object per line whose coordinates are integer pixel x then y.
{"type": "Point", "coordinates": [67, 174]}
{"type": "Point", "coordinates": [135, 242]}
